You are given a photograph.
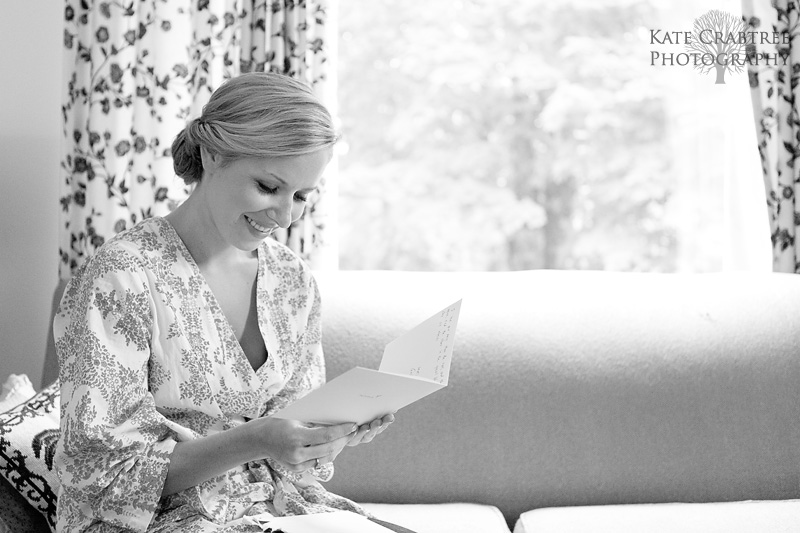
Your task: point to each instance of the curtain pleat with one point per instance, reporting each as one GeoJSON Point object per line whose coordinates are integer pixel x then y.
{"type": "Point", "coordinates": [135, 73]}
{"type": "Point", "coordinates": [774, 78]}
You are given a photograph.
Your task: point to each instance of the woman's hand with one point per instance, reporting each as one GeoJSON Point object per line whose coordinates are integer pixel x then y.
{"type": "Point", "coordinates": [367, 432]}
{"type": "Point", "coordinates": [299, 446]}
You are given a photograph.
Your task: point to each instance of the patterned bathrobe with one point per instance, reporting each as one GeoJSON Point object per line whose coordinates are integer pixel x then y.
{"type": "Point", "coordinates": [147, 359]}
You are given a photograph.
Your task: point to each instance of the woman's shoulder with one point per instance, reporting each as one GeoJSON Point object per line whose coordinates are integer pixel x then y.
{"type": "Point", "coordinates": [130, 249]}
{"type": "Point", "coordinates": [120, 264]}
{"type": "Point", "coordinates": [147, 235]}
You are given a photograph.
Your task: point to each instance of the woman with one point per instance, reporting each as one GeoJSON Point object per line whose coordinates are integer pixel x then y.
{"type": "Point", "coordinates": [180, 337]}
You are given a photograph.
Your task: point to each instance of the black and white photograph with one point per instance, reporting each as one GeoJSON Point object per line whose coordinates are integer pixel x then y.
{"type": "Point", "coordinates": [421, 266]}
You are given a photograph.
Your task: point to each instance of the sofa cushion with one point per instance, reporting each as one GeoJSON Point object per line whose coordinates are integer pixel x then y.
{"type": "Point", "coordinates": [727, 517]}
{"type": "Point", "coordinates": [442, 517]}
{"type": "Point", "coordinates": [28, 436]}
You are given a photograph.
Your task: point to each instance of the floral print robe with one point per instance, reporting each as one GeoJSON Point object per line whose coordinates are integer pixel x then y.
{"type": "Point", "coordinates": [147, 359]}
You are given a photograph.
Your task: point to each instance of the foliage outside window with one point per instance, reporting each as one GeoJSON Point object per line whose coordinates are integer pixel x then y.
{"type": "Point", "coordinates": [508, 135]}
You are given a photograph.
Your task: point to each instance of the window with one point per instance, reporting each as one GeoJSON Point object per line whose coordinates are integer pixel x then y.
{"type": "Point", "coordinates": [508, 135]}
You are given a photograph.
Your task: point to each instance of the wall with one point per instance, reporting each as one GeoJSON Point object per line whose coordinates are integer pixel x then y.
{"type": "Point", "coordinates": [31, 34]}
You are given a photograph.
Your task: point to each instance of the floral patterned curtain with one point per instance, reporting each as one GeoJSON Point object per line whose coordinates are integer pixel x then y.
{"type": "Point", "coordinates": [135, 72]}
{"type": "Point", "coordinates": [775, 102]}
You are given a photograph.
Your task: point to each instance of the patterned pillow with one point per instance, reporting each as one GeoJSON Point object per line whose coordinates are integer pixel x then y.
{"type": "Point", "coordinates": [17, 389]}
{"type": "Point", "coordinates": [28, 436]}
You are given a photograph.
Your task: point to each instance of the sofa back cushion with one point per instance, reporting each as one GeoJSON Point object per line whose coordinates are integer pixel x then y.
{"type": "Point", "coordinates": [576, 388]}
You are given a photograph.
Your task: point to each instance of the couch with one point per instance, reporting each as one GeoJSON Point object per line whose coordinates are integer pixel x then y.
{"type": "Point", "coordinates": [581, 401]}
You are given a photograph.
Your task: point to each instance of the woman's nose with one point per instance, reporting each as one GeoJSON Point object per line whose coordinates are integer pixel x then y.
{"type": "Point", "coordinates": [281, 214]}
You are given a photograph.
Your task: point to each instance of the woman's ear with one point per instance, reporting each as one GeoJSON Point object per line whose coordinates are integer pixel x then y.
{"type": "Point", "coordinates": [210, 161]}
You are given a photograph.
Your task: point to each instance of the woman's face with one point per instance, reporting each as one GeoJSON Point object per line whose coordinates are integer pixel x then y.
{"type": "Point", "coordinates": [248, 198]}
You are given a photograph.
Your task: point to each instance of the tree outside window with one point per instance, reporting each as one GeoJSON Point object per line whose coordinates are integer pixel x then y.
{"type": "Point", "coordinates": [508, 135]}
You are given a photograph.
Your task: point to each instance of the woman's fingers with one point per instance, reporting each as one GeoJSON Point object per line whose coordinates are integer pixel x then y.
{"type": "Point", "coordinates": [323, 453]}
{"type": "Point", "coordinates": [388, 419]}
{"type": "Point", "coordinates": [316, 435]}
{"type": "Point", "coordinates": [376, 427]}
{"type": "Point", "coordinates": [321, 444]}
{"type": "Point", "coordinates": [297, 445]}
{"type": "Point", "coordinates": [373, 428]}
{"type": "Point", "coordinates": [359, 435]}
{"type": "Point", "coordinates": [367, 432]}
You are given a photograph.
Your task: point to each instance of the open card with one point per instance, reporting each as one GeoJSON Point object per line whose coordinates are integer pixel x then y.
{"type": "Point", "coordinates": [413, 366]}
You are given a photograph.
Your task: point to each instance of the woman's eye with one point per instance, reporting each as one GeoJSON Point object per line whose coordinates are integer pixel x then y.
{"type": "Point", "coordinates": [267, 190]}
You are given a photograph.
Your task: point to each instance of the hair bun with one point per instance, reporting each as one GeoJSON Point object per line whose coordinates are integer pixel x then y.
{"type": "Point", "coordinates": [186, 160]}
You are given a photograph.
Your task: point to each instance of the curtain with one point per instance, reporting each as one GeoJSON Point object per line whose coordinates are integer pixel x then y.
{"type": "Point", "coordinates": [773, 82]}
{"type": "Point", "coordinates": [135, 72]}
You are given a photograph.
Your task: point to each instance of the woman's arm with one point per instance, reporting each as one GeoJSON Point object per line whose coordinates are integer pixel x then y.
{"type": "Point", "coordinates": [293, 444]}
{"type": "Point", "coordinates": [114, 449]}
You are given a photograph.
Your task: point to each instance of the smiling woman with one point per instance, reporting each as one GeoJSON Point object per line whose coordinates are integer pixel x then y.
{"type": "Point", "coordinates": [181, 336]}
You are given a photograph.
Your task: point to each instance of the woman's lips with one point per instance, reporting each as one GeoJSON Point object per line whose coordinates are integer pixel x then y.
{"type": "Point", "coordinates": [259, 227]}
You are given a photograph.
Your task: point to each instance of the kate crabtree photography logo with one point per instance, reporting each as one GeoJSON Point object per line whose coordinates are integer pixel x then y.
{"type": "Point", "coordinates": [719, 42]}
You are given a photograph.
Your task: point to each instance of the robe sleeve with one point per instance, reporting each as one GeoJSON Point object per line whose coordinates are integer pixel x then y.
{"type": "Point", "coordinates": [114, 450]}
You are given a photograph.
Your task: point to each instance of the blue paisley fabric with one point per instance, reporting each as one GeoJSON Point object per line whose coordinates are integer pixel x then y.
{"type": "Point", "coordinates": [147, 359]}
{"type": "Point", "coordinates": [135, 73]}
{"type": "Point", "coordinates": [777, 114]}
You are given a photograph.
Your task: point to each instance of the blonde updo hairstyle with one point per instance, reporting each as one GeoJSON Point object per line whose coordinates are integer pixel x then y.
{"type": "Point", "coordinates": [254, 115]}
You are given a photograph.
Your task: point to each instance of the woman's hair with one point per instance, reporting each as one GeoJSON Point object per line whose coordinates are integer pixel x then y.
{"type": "Point", "coordinates": [257, 114]}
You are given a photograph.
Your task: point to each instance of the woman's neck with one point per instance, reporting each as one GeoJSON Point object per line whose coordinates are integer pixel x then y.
{"type": "Point", "coordinates": [202, 238]}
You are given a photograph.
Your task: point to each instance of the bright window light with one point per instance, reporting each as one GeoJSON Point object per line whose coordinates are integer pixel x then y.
{"type": "Point", "coordinates": [508, 135]}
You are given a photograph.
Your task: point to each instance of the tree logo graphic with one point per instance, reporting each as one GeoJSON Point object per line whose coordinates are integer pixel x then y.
{"type": "Point", "coordinates": [720, 39]}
